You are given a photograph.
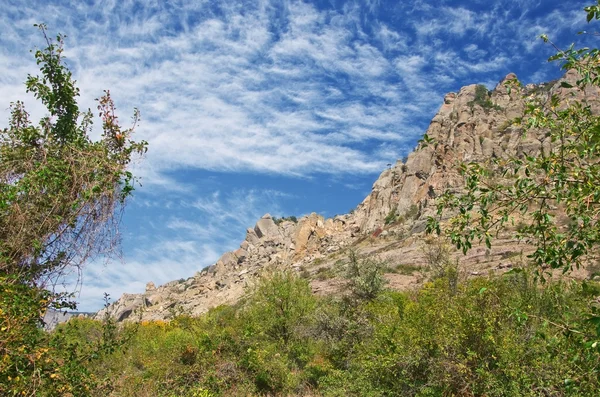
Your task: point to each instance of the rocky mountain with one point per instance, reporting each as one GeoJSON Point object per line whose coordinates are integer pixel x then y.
{"type": "Point", "coordinates": [54, 317]}
{"type": "Point", "coordinates": [471, 125]}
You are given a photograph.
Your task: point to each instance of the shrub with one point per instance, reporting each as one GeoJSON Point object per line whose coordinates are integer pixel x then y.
{"type": "Point", "coordinates": [325, 273]}
{"type": "Point", "coordinates": [441, 266]}
{"type": "Point", "coordinates": [291, 218]}
{"type": "Point", "coordinates": [406, 269]}
{"type": "Point", "coordinates": [496, 337]}
{"type": "Point", "coordinates": [365, 277]}
{"type": "Point", "coordinates": [61, 196]}
{"type": "Point", "coordinates": [391, 217]}
{"type": "Point", "coordinates": [482, 98]}
{"type": "Point", "coordinates": [279, 303]}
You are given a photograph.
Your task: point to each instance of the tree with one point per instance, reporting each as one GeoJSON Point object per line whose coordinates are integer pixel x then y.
{"type": "Point", "coordinates": [61, 196]}
{"type": "Point", "coordinates": [539, 189]}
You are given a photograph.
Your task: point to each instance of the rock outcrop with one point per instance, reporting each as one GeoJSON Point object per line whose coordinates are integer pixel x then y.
{"type": "Point", "coordinates": [267, 245]}
{"type": "Point", "coordinates": [390, 220]}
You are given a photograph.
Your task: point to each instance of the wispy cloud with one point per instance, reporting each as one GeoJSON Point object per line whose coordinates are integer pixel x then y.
{"type": "Point", "coordinates": [192, 235]}
{"type": "Point", "coordinates": [259, 87]}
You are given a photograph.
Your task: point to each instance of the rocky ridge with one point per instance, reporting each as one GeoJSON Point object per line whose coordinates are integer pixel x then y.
{"type": "Point", "coordinates": [389, 223]}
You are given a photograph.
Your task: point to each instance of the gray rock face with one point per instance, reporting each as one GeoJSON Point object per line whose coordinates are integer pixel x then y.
{"type": "Point", "coordinates": [266, 246]}
{"type": "Point", "coordinates": [265, 227]}
{"type": "Point", "coordinates": [54, 317]}
{"type": "Point", "coordinates": [462, 130]}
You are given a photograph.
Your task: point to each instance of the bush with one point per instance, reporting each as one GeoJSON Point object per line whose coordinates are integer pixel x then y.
{"type": "Point", "coordinates": [495, 337]}
{"type": "Point", "coordinates": [291, 218]}
{"type": "Point", "coordinates": [279, 304]}
{"type": "Point", "coordinates": [482, 98]}
{"type": "Point", "coordinates": [391, 217]}
{"type": "Point", "coordinates": [365, 277]}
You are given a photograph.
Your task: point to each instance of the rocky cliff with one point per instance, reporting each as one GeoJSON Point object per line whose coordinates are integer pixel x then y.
{"type": "Point", "coordinates": [471, 125]}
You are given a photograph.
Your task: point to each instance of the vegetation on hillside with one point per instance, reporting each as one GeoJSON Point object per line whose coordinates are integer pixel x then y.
{"type": "Point", "coordinates": [496, 336]}
{"type": "Point", "coordinates": [482, 98]}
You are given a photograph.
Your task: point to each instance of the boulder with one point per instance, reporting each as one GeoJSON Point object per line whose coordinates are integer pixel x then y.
{"type": "Point", "coordinates": [265, 227]}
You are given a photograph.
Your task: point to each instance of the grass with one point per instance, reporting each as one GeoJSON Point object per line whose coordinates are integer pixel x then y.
{"type": "Point", "coordinates": [324, 273]}
{"type": "Point", "coordinates": [406, 269]}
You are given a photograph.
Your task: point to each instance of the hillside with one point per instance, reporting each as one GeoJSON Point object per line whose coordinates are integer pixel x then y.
{"type": "Point", "coordinates": [471, 125]}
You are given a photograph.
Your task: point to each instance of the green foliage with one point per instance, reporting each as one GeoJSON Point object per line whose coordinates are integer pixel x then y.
{"type": "Point", "coordinates": [493, 336]}
{"type": "Point", "coordinates": [537, 189]}
{"type": "Point", "coordinates": [291, 218]}
{"type": "Point", "coordinates": [37, 363]}
{"type": "Point", "coordinates": [60, 191]}
{"type": "Point", "coordinates": [21, 344]}
{"type": "Point", "coordinates": [439, 262]}
{"type": "Point", "coordinates": [365, 276]}
{"type": "Point", "coordinates": [61, 195]}
{"type": "Point", "coordinates": [255, 348]}
{"type": "Point", "coordinates": [281, 302]}
{"type": "Point", "coordinates": [496, 336]}
{"type": "Point", "coordinates": [391, 217]}
{"type": "Point", "coordinates": [490, 337]}
{"type": "Point", "coordinates": [482, 98]}
{"type": "Point", "coordinates": [540, 191]}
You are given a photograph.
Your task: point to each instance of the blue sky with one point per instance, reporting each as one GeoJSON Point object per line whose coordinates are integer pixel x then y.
{"type": "Point", "coordinates": [249, 107]}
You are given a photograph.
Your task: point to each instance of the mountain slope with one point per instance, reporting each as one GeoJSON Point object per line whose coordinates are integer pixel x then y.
{"type": "Point", "coordinates": [471, 125]}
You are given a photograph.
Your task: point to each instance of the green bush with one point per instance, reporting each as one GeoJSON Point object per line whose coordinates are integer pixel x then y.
{"type": "Point", "coordinates": [61, 196]}
{"type": "Point", "coordinates": [391, 217]}
{"type": "Point", "coordinates": [279, 304]}
{"type": "Point", "coordinates": [291, 218]}
{"type": "Point", "coordinates": [503, 336]}
{"type": "Point", "coordinates": [365, 277]}
{"type": "Point", "coordinates": [496, 336]}
{"type": "Point", "coordinates": [482, 98]}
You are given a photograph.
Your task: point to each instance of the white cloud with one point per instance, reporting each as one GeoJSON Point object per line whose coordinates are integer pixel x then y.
{"type": "Point", "coordinates": [226, 93]}
{"type": "Point", "coordinates": [178, 246]}
{"type": "Point", "coordinates": [409, 64]}
{"type": "Point", "coordinates": [391, 39]}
